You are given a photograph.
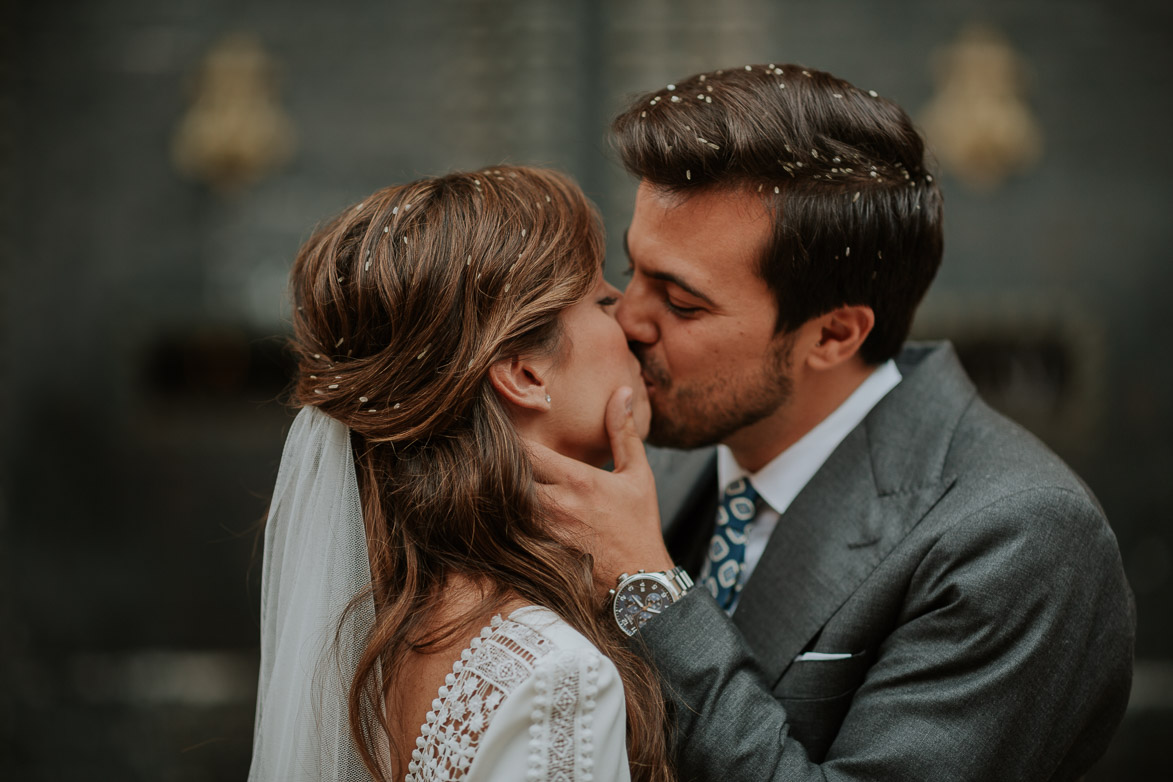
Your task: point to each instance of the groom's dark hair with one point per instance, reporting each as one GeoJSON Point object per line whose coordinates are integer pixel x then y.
{"type": "Point", "coordinates": [857, 215]}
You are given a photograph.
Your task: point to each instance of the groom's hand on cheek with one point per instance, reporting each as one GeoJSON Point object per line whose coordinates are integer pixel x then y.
{"type": "Point", "coordinates": [613, 515]}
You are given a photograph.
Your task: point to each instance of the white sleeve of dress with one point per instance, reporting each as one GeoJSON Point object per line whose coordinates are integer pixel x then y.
{"type": "Point", "coordinates": [565, 722]}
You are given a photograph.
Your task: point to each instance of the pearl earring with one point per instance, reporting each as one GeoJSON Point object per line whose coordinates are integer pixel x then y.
{"type": "Point", "coordinates": [547, 399]}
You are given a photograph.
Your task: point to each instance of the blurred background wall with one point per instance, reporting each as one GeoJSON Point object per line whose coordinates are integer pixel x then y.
{"type": "Point", "coordinates": [160, 163]}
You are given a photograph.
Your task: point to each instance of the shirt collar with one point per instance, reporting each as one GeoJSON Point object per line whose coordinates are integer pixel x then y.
{"type": "Point", "coordinates": [780, 481]}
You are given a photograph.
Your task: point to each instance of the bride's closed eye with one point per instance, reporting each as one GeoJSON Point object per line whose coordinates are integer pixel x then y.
{"type": "Point", "coordinates": [607, 301]}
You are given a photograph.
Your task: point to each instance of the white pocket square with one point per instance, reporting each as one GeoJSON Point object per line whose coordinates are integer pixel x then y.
{"type": "Point", "coordinates": [807, 657]}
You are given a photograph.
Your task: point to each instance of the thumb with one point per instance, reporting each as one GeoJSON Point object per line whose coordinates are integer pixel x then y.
{"type": "Point", "coordinates": [627, 450]}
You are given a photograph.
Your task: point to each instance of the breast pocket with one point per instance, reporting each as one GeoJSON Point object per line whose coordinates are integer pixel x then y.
{"type": "Point", "coordinates": [817, 695]}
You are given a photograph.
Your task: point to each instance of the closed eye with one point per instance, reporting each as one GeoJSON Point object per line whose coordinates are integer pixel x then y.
{"type": "Point", "coordinates": [683, 312]}
{"type": "Point", "coordinates": [607, 301]}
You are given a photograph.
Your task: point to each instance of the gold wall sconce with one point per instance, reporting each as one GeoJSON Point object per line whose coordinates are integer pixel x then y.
{"type": "Point", "coordinates": [978, 122]}
{"type": "Point", "coordinates": [234, 132]}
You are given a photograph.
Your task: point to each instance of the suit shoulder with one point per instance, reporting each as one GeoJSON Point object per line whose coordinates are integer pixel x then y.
{"type": "Point", "coordinates": [993, 455]}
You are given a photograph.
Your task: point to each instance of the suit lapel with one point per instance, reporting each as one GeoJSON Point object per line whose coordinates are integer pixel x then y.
{"type": "Point", "coordinates": [686, 485]}
{"type": "Point", "coordinates": [877, 485]}
{"type": "Point", "coordinates": [827, 543]}
{"type": "Point", "coordinates": [688, 538]}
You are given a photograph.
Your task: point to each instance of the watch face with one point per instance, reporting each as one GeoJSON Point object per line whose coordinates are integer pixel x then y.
{"type": "Point", "coordinates": [639, 600]}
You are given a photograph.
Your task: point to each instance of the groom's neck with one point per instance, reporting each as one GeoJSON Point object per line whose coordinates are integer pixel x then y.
{"type": "Point", "coordinates": [815, 395]}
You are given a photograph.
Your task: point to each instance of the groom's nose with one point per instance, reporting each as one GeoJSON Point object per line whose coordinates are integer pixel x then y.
{"type": "Point", "coordinates": [635, 315]}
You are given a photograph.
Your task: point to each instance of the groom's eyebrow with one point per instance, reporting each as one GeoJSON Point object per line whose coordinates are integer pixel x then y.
{"type": "Point", "coordinates": [667, 277]}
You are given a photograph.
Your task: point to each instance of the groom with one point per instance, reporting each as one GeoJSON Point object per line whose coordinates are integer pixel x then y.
{"type": "Point", "coordinates": [893, 581]}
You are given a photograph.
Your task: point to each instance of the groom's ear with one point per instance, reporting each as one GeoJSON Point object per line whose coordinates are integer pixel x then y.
{"type": "Point", "coordinates": [840, 334]}
{"type": "Point", "coordinates": [521, 382]}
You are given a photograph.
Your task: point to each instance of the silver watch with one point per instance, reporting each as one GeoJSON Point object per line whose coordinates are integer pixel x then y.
{"type": "Point", "coordinates": [639, 597]}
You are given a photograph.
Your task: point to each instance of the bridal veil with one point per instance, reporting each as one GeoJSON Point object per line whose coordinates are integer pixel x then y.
{"type": "Point", "coordinates": [315, 563]}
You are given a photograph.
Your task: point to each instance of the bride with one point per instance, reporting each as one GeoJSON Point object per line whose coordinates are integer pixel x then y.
{"type": "Point", "coordinates": [423, 616]}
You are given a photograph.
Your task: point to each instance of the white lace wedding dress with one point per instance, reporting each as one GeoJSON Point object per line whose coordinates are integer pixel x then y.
{"type": "Point", "coordinates": [529, 699]}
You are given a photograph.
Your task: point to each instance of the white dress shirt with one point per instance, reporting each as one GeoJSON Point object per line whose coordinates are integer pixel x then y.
{"type": "Point", "coordinates": [780, 481]}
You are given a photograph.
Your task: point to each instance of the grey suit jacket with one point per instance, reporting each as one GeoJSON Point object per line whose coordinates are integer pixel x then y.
{"type": "Point", "coordinates": [968, 572]}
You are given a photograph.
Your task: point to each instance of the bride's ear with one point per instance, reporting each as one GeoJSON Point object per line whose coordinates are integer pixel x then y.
{"type": "Point", "coordinates": [521, 382]}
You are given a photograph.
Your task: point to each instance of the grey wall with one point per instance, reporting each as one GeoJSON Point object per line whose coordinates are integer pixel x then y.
{"type": "Point", "coordinates": [140, 359]}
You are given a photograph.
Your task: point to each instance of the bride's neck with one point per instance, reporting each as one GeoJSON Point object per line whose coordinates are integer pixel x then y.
{"type": "Point", "coordinates": [465, 598]}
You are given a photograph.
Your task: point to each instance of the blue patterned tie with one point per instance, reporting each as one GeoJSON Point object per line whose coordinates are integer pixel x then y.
{"type": "Point", "coordinates": [722, 570]}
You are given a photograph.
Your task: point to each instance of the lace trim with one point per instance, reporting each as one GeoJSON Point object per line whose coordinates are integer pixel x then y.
{"type": "Point", "coordinates": [495, 663]}
{"type": "Point", "coordinates": [554, 753]}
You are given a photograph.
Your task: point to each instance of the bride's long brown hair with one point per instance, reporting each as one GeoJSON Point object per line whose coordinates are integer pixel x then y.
{"type": "Point", "coordinates": [402, 303]}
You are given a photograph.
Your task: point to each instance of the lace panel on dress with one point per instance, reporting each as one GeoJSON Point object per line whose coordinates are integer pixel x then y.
{"type": "Point", "coordinates": [502, 657]}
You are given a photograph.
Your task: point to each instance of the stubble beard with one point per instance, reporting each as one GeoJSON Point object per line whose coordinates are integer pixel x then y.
{"type": "Point", "coordinates": [706, 412]}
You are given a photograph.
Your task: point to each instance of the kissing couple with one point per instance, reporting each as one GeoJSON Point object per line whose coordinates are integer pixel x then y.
{"type": "Point", "coordinates": [859, 571]}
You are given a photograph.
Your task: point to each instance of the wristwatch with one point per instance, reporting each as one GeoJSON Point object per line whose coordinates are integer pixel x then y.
{"type": "Point", "coordinates": [639, 597]}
